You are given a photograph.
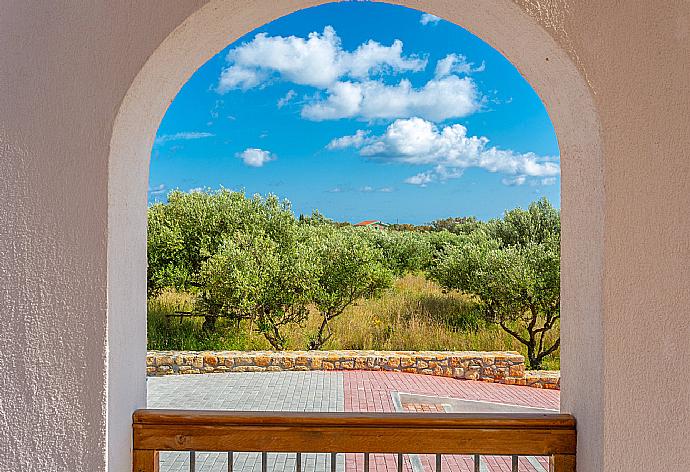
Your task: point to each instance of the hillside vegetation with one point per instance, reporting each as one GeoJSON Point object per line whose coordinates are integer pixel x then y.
{"type": "Point", "coordinates": [245, 273]}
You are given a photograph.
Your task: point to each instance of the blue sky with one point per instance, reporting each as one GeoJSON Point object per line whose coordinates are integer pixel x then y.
{"type": "Point", "coordinates": [362, 111]}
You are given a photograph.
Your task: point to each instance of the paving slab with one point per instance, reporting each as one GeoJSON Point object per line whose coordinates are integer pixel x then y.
{"type": "Point", "coordinates": [357, 391]}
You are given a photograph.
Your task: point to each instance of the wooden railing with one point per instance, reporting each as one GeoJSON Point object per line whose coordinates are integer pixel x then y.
{"type": "Point", "coordinates": [526, 434]}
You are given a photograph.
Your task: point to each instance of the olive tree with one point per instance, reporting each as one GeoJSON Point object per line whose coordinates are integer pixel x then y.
{"type": "Point", "coordinates": [350, 268]}
{"type": "Point", "coordinates": [541, 222]}
{"type": "Point", "coordinates": [513, 269]}
{"type": "Point", "coordinates": [190, 227]}
{"type": "Point", "coordinates": [516, 288]}
{"type": "Point", "coordinates": [457, 225]}
{"type": "Point", "coordinates": [403, 251]}
{"type": "Point", "coordinates": [267, 280]}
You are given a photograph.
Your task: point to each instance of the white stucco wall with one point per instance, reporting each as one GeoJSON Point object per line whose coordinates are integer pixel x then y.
{"type": "Point", "coordinates": [83, 88]}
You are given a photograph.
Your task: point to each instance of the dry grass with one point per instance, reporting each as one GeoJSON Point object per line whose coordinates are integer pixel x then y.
{"type": "Point", "coordinates": [414, 315]}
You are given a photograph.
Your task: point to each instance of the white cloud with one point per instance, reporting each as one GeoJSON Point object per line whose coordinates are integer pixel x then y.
{"type": "Point", "coordinates": [157, 189]}
{"type": "Point", "coordinates": [421, 179]}
{"type": "Point", "coordinates": [514, 181]}
{"type": "Point", "coordinates": [240, 77]}
{"type": "Point", "coordinates": [372, 58]}
{"type": "Point", "coordinates": [428, 18]}
{"type": "Point", "coordinates": [350, 84]}
{"type": "Point", "coordinates": [356, 140]}
{"type": "Point", "coordinates": [318, 60]}
{"type": "Point", "coordinates": [455, 64]}
{"type": "Point", "coordinates": [439, 99]}
{"type": "Point", "coordinates": [344, 101]}
{"type": "Point", "coordinates": [533, 182]}
{"type": "Point", "coordinates": [215, 111]}
{"type": "Point", "coordinates": [254, 157]}
{"type": "Point", "coordinates": [449, 149]}
{"type": "Point", "coordinates": [286, 99]}
{"type": "Point", "coordinates": [184, 136]}
{"type": "Point", "coordinates": [363, 189]}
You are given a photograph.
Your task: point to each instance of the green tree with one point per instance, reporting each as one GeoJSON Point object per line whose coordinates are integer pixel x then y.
{"type": "Point", "coordinates": [350, 268]}
{"type": "Point", "coordinates": [457, 225]}
{"type": "Point", "coordinates": [190, 228]}
{"type": "Point", "coordinates": [267, 280]}
{"type": "Point", "coordinates": [540, 223]}
{"type": "Point", "coordinates": [515, 275]}
{"type": "Point", "coordinates": [402, 251]}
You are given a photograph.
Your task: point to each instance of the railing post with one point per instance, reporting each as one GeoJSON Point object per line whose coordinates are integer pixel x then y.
{"type": "Point", "coordinates": [562, 463]}
{"type": "Point", "coordinates": [145, 460]}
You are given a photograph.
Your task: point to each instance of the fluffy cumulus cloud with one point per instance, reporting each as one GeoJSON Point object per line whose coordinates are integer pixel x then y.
{"type": "Point", "coordinates": [429, 19]}
{"type": "Point", "coordinates": [455, 64]}
{"type": "Point", "coordinates": [356, 140]}
{"type": "Point", "coordinates": [318, 60]}
{"type": "Point", "coordinates": [350, 84]}
{"type": "Point", "coordinates": [421, 179]}
{"type": "Point", "coordinates": [254, 157]}
{"type": "Point", "coordinates": [439, 99]}
{"type": "Point", "coordinates": [449, 150]}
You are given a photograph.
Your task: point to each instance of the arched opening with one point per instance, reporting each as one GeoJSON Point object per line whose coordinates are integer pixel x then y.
{"type": "Point", "coordinates": [544, 64]}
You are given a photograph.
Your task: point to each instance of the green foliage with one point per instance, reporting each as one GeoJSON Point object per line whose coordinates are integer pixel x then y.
{"type": "Point", "coordinates": [350, 269]}
{"type": "Point", "coordinates": [515, 277]}
{"type": "Point", "coordinates": [540, 223]}
{"type": "Point", "coordinates": [316, 219]}
{"type": "Point", "coordinates": [268, 280]}
{"type": "Point", "coordinates": [458, 225]}
{"type": "Point", "coordinates": [184, 232]}
{"type": "Point", "coordinates": [402, 251]}
{"type": "Point", "coordinates": [165, 331]}
{"type": "Point", "coordinates": [240, 256]}
{"type": "Point", "coordinates": [249, 261]}
{"type": "Point", "coordinates": [416, 314]}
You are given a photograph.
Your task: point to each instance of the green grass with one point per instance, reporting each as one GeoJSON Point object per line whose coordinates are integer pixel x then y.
{"type": "Point", "coordinates": [414, 315]}
{"type": "Point", "coordinates": [174, 333]}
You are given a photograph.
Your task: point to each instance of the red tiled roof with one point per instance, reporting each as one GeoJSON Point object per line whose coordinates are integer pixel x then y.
{"type": "Point", "coordinates": [367, 222]}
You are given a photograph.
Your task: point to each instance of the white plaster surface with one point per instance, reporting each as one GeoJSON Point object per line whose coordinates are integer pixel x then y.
{"type": "Point", "coordinates": [83, 86]}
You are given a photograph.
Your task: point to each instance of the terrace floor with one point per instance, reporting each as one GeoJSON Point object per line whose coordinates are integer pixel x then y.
{"type": "Point", "coordinates": [350, 391]}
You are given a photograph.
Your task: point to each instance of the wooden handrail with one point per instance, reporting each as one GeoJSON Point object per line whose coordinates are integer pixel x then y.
{"type": "Point", "coordinates": [486, 434]}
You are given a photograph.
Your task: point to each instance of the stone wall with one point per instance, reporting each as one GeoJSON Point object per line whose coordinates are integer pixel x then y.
{"type": "Point", "coordinates": [495, 366]}
{"type": "Point", "coordinates": [550, 379]}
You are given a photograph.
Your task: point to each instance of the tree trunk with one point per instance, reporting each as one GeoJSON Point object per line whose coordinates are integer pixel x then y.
{"type": "Point", "coordinates": [320, 340]}
{"type": "Point", "coordinates": [209, 324]}
{"type": "Point", "coordinates": [534, 359]}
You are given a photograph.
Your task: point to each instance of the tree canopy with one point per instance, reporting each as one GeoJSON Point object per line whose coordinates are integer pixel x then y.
{"type": "Point", "coordinates": [514, 272]}
{"type": "Point", "coordinates": [250, 258]}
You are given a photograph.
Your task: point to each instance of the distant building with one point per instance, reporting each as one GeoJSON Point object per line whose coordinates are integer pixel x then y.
{"type": "Point", "coordinates": [375, 224]}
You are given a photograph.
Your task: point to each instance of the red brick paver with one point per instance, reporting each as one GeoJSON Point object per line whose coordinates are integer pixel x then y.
{"type": "Point", "coordinates": [371, 391]}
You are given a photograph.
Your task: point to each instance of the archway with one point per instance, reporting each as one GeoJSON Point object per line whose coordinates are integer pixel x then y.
{"type": "Point", "coordinates": [507, 28]}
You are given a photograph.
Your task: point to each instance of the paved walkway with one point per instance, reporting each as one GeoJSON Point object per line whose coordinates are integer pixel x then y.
{"type": "Point", "coordinates": [355, 391]}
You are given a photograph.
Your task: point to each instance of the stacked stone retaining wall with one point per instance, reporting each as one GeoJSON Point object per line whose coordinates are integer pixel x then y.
{"type": "Point", "coordinates": [506, 367]}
